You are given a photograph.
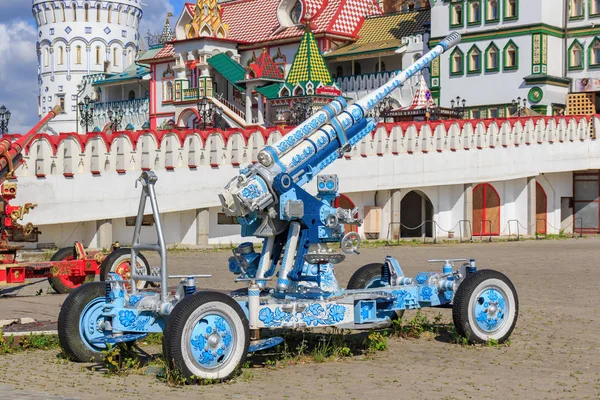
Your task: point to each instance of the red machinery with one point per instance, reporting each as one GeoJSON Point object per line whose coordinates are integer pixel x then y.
{"type": "Point", "coordinates": [69, 267]}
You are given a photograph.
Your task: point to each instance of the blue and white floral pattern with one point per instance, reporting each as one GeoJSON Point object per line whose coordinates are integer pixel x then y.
{"type": "Point", "coordinates": [299, 158]}
{"type": "Point", "coordinates": [426, 293]}
{"type": "Point", "coordinates": [132, 321]}
{"type": "Point", "coordinates": [210, 353]}
{"type": "Point", "coordinates": [486, 319]}
{"type": "Point", "coordinates": [314, 315]}
{"type": "Point", "coordinates": [252, 191]}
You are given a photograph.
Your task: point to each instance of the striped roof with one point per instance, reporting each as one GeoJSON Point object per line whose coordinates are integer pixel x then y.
{"type": "Point", "coordinates": [422, 98]}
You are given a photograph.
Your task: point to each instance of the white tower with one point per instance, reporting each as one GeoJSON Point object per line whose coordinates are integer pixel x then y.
{"type": "Point", "coordinates": [78, 38]}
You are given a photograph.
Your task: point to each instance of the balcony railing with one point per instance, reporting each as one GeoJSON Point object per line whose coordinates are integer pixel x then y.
{"type": "Point", "coordinates": [354, 83]}
{"type": "Point", "coordinates": [135, 112]}
{"type": "Point", "coordinates": [190, 94]}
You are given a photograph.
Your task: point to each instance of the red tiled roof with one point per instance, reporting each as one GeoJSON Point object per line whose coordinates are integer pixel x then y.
{"type": "Point", "coordinates": [166, 52]}
{"type": "Point", "coordinates": [343, 17]}
{"type": "Point", "coordinates": [264, 67]}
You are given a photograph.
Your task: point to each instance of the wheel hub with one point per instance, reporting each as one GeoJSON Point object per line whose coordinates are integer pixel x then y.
{"type": "Point", "coordinates": [489, 309]}
{"type": "Point", "coordinates": [212, 341]}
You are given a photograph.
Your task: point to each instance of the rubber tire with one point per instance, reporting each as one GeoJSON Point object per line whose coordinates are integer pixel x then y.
{"type": "Point", "coordinates": [173, 333]}
{"type": "Point", "coordinates": [68, 323]}
{"type": "Point", "coordinates": [472, 286]}
{"type": "Point", "coordinates": [112, 258]}
{"type": "Point", "coordinates": [66, 253]}
{"type": "Point", "coordinates": [364, 275]}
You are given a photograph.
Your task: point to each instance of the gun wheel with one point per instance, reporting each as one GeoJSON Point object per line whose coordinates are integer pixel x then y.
{"type": "Point", "coordinates": [206, 336]}
{"type": "Point", "coordinates": [369, 277]}
{"type": "Point", "coordinates": [486, 307]}
{"type": "Point", "coordinates": [119, 262]}
{"type": "Point", "coordinates": [64, 284]}
{"type": "Point", "coordinates": [80, 321]}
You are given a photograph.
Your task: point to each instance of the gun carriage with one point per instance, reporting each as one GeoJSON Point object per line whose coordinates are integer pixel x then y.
{"type": "Point", "coordinates": [291, 283]}
{"type": "Point", "coordinates": [69, 267]}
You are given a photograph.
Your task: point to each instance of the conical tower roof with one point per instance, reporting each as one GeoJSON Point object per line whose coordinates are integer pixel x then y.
{"type": "Point", "coordinates": [422, 98]}
{"type": "Point", "coordinates": [309, 70]}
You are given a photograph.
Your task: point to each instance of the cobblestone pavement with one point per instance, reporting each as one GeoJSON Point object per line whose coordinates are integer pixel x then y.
{"type": "Point", "coordinates": [13, 393]}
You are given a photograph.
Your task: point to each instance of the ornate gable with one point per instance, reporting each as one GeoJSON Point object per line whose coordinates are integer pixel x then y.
{"type": "Point", "coordinates": [207, 21]}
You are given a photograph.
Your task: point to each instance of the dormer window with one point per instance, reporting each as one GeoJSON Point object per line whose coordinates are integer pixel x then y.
{"type": "Point", "coordinates": [296, 13]}
{"type": "Point", "coordinates": [289, 13]}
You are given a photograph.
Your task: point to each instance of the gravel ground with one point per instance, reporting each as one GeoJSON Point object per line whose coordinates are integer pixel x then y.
{"type": "Point", "coordinates": [554, 351]}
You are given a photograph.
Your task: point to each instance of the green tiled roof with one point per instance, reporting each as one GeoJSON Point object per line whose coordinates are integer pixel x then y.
{"type": "Point", "coordinates": [270, 91]}
{"type": "Point", "coordinates": [384, 33]}
{"type": "Point", "coordinates": [133, 72]}
{"type": "Point", "coordinates": [308, 65]}
{"type": "Point", "coordinates": [231, 70]}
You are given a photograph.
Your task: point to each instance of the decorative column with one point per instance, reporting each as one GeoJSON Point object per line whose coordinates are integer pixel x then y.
{"type": "Point", "coordinates": [468, 209]}
{"type": "Point", "coordinates": [68, 50]}
{"type": "Point", "coordinates": [202, 226]}
{"type": "Point", "coordinates": [395, 199]}
{"type": "Point", "coordinates": [88, 50]}
{"type": "Point", "coordinates": [52, 62]}
{"type": "Point", "coordinates": [249, 103]}
{"type": "Point", "coordinates": [261, 109]}
{"type": "Point", "coordinates": [104, 233]}
{"type": "Point", "coordinates": [531, 206]}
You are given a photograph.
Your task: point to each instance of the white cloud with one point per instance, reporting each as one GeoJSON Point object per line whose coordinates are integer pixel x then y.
{"type": "Point", "coordinates": [18, 74]}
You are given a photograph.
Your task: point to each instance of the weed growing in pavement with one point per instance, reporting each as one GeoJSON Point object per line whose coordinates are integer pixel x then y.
{"type": "Point", "coordinates": [376, 341]}
{"type": "Point", "coordinates": [30, 342]}
{"type": "Point", "coordinates": [121, 359]}
{"type": "Point", "coordinates": [416, 326]}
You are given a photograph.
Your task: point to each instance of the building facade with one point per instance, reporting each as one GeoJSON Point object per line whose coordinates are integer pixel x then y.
{"type": "Point", "coordinates": [78, 38]}
{"type": "Point", "coordinates": [536, 50]}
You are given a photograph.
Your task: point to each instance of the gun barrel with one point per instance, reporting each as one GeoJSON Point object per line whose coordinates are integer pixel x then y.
{"type": "Point", "coordinates": [334, 119]}
{"type": "Point", "coordinates": [10, 153]}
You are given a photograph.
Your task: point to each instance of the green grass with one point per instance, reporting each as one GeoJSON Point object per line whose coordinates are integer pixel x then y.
{"type": "Point", "coordinates": [31, 342]}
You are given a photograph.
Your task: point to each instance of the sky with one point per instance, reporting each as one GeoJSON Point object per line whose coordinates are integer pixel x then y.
{"type": "Point", "coordinates": [18, 59]}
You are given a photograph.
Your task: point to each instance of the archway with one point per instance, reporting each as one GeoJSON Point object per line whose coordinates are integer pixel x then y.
{"type": "Point", "coordinates": [344, 201]}
{"type": "Point", "coordinates": [416, 215]}
{"type": "Point", "coordinates": [187, 117]}
{"type": "Point", "coordinates": [541, 209]}
{"type": "Point", "coordinates": [486, 210]}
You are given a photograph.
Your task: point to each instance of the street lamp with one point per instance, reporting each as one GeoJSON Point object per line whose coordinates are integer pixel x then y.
{"type": "Point", "coordinates": [517, 104]}
{"type": "Point", "coordinates": [209, 114]}
{"type": "Point", "coordinates": [301, 110]}
{"type": "Point", "coordinates": [4, 119]}
{"type": "Point", "coordinates": [86, 111]}
{"type": "Point", "coordinates": [458, 107]}
{"type": "Point", "coordinates": [380, 111]}
{"type": "Point", "coordinates": [116, 118]}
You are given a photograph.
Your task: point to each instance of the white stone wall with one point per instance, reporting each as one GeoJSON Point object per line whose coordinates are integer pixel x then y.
{"type": "Point", "coordinates": [72, 47]}
{"type": "Point", "coordinates": [78, 180]}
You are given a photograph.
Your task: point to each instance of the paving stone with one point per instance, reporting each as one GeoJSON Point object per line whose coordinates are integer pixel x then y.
{"type": "Point", "coordinates": [13, 393]}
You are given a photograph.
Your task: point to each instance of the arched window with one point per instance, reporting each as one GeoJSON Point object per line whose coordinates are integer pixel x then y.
{"type": "Point", "coordinates": [108, 19]}
{"type": "Point", "coordinates": [64, 15]}
{"type": "Point", "coordinates": [595, 53]}
{"type": "Point", "coordinates": [357, 68]}
{"type": "Point", "coordinates": [474, 12]}
{"type": "Point", "coordinates": [86, 12]}
{"type": "Point", "coordinates": [417, 57]}
{"type": "Point", "coordinates": [131, 95]}
{"type": "Point", "coordinates": [115, 57]}
{"type": "Point", "coordinates": [339, 71]}
{"type": "Point", "coordinates": [457, 15]}
{"type": "Point", "coordinates": [457, 67]}
{"type": "Point", "coordinates": [474, 57]}
{"type": "Point", "coordinates": [576, 56]}
{"type": "Point", "coordinates": [492, 10]}
{"type": "Point", "coordinates": [511, 56]}
{"type": "Point", "coordinates": [98, 12]}
{"type": "Point", "coordinates": [491, 60]}
{"type": "Point", "coordinates": [576, 9]}
{"type": "Point", "coordinates": [169, 91]}
{"type": "Point", "coordinates": [74, 5]}
{"type": "Point", "coordinates": [46, 57]}
{"type": "Point", "coordinates": [98, 55]}
{"type": "Point", "coordinates": [510, 11]}
{"type": "Point", "coordinates": [119, 16]}
{"type": "Point", "coordinates": [60, 55]}
{"type": "Point", "coordinates": [129, 57]}
{"type": "Point", "coordinates": [78, 55]}
{"type": "Point", "coordinates": [380, 68]}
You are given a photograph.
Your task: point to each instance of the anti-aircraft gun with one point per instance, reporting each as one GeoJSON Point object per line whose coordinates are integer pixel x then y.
{"type": "Point", "coordinates": [270, 203]}
{"type": "Point", "coordinates": [208, 334]}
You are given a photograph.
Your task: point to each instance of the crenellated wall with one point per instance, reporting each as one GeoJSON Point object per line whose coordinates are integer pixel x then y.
{"type": "Point", "coordinates": [77, 178]}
